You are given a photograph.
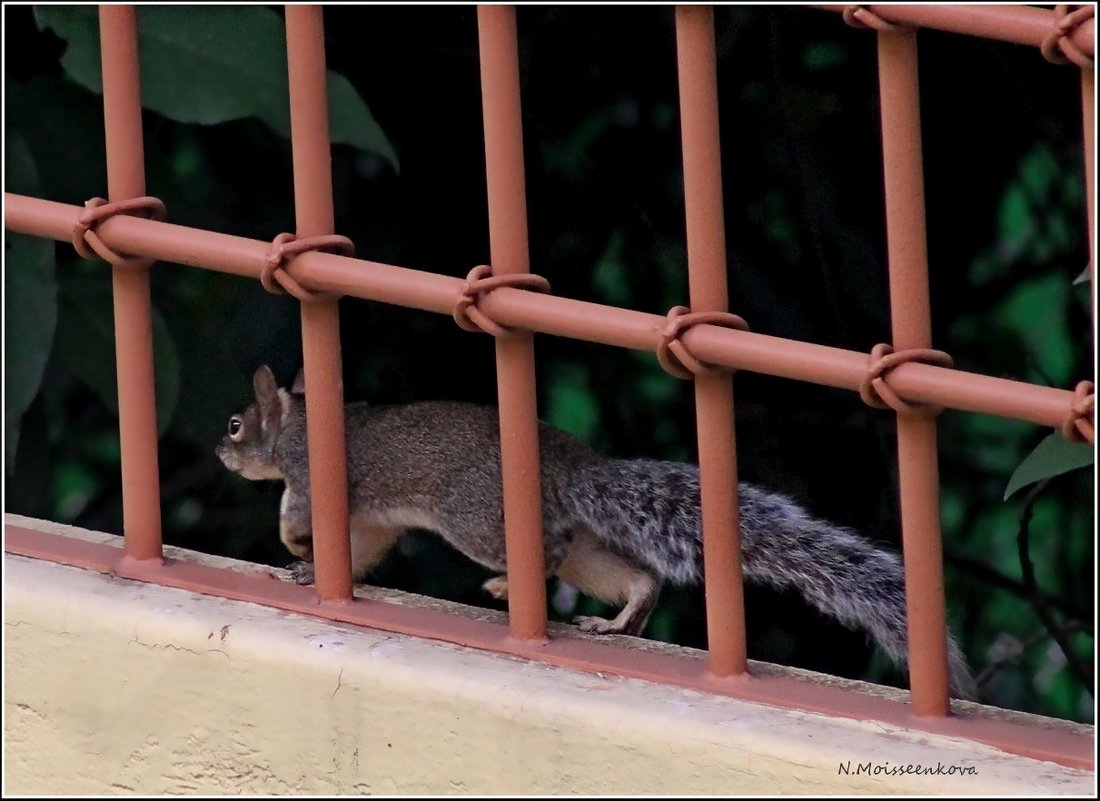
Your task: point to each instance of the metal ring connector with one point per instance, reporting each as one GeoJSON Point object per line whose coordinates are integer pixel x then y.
{"type": "Point", "coordinates": [876, 392]}
{"type": "Point", "coordinates": [1078, 424]}
{"type": "Point", "coordinates": [863, 17]}
{"type": "Point", "coordinates": [674, 357]}
{"type": "Point", "coordinates": [480, 281]}
{"type": "Point", "coordinates": [1058, 47]}
{"type": "Point", "coordinates": [276, 279]}
{"type": "Point", "coordinates": [89, 244]}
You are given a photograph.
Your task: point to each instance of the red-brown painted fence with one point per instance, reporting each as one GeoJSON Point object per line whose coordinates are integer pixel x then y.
{"type": "Point", "coordinates": [706, 343]}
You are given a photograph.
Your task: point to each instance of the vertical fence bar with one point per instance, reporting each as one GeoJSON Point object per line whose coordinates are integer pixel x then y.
{"type": "Point", "coordinates": [305, 39]}
{"type": "Point", "coordinates": [706, 249]}
{"type": "Point", "coordinates": [137, 410]}
{"type": "Point", "coordinates": [519, 444]}
{"type": "Point", "coordinates": [1088, 115]}
{"type": "Point", "coordinates": [911, 322]}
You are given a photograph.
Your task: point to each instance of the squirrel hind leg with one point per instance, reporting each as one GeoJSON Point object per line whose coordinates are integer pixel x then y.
{"type": "Point", "coordinates": [603, 574]}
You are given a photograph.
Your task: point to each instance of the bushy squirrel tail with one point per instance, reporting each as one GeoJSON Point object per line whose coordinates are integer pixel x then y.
{"type": "Point", "coordinates": [649, 511]}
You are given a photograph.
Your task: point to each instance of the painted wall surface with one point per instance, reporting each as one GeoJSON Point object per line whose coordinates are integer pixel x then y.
{"type": "Point", "coordinates": [117, 686]}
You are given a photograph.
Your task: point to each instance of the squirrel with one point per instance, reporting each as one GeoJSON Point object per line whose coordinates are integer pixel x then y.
{"type": "Point", "coordinates": [615, 529]}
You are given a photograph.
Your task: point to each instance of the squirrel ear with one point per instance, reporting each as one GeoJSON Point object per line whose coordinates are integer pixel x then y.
{"type": "Point", "coordinates": [267, 392]}
{"type": "Point", "coordinates": [299, 385]}
{"type": "Point", "coordinates": [263, 382]}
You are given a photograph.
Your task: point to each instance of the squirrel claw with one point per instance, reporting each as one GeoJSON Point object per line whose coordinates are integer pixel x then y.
{"type": "Point", "coordinates": [596, 625]}
{"type": "Point", "coordinates": [301, 572]}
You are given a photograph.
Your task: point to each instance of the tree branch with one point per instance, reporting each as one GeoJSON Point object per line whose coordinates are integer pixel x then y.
{"type": "Point", "coordinates": [984, 572]}
{"type": "Point", "coordinates": [1014, 655]}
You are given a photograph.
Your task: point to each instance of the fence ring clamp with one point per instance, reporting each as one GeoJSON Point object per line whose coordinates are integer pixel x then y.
{"type": "Point", "coordinates": [1078, 423]}
{"type": "Point", "coordinates": [863, 17]}
{"type": "Point", "coordinates": [673, 355]}
{"type": "Point", "coordinates": [284, 247]}
{"type": "Point", "coordinates": [88, 243]}
{"type": "Point", "coordinates": [1058, 46]}
{"type": "Point", "coordinates": [876, 392]}
{"type": "Point", "coordinates": [480, 281]}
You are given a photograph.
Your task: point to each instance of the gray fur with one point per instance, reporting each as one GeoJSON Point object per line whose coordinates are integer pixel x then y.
{"type": "Point", "coordinates": [650, 511]}
{"type": "Point", "coordinates": [437, 465]}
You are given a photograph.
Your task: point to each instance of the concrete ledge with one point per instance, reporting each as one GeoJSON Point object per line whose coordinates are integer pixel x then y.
{"type": "Point", "coordinates": [118, 686]}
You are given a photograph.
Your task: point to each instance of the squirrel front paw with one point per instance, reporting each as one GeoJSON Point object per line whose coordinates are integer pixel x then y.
{"type": "Point", "coordinates": [301, 572]}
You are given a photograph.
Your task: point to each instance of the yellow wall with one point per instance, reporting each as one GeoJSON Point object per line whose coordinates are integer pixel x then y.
{"type": "Point", "coordinates": [113, 685]}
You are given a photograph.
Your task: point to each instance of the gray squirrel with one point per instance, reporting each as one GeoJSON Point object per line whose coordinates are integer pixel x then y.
{"type": "Point", "coordinates": [615, 529]}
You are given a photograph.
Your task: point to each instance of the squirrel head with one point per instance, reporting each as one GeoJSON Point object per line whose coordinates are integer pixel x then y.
{"type": "Point", "coordinates": [248, 446]}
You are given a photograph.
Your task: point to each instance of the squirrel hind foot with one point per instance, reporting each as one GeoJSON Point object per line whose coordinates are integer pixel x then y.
{"type": "Point", "coordinates": [631, 620]}
{"type": "Point", "coordinates": [598, 625]}
{"type": "Point", "coordinates": [613, 579]}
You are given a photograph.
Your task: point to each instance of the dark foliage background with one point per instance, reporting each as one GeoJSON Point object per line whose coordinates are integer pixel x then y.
{"type": "Point", "coordinates": [805, 226]}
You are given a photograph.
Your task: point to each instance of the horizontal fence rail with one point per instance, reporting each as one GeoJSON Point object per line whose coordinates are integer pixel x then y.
{"type": "Point", "coordinates": [1007, 23]}
{"type": "Point", "coordinates": [707, 339]}
{"type": "Point", "coordinates": [549, 314]}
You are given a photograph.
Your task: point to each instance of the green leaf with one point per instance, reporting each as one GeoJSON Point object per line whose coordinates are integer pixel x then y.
{"type": "Point", "coordinates": [212, 64]}
{"type": "Point", "coordinates": [30, 317]}
{"type": "Point", "coordinates": [1038, 170]}
{"type": "Point", "coordinates": [30, 303]}
{"type": "Point", "coordinates": [1052, 457]}
{"type": "Point", "coordinates": [1038, 310]}
{"type": "Point", "coordinates": [20, 171]}
{"type": "Point", "coordinates": [1015, 218]}
{"type": "Point", "coordinates": [571, 405]}
{"type": "Point", "coordinates": [820, 56]}
{"type": "Point", "coordinates": [610, 276]}
{"type": "Point", "coordinates": [86, 345]}
{"type": "Point", "coordinates": [63, 126]}
{"type": "Point", "coordinates": [351, 122]}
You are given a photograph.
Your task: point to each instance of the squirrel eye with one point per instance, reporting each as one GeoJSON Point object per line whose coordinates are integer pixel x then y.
{"type": "Point", "coordinates": [235, 426]}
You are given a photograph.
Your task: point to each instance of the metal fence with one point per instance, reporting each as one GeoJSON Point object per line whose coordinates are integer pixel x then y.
{"type": "Point", "coordinates": [705, 343]}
